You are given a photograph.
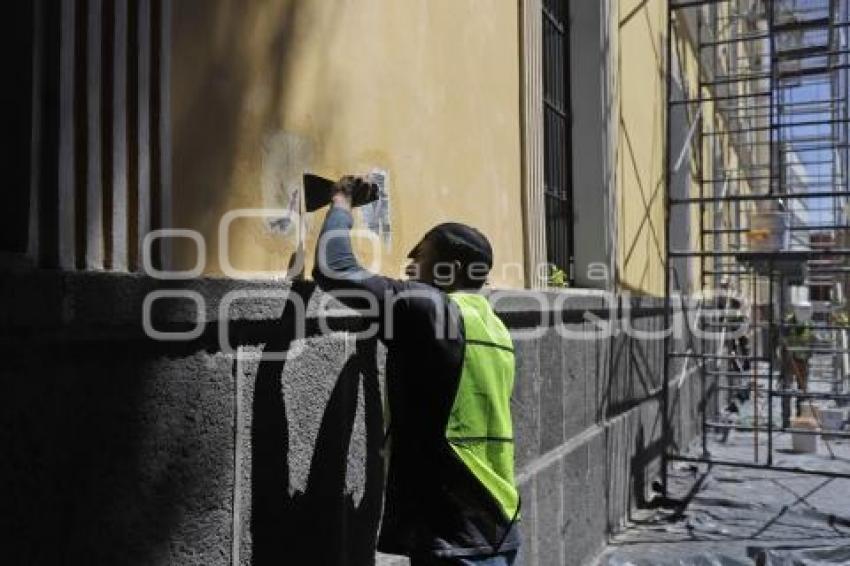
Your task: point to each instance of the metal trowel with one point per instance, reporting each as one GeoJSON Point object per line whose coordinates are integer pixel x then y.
{"type": "Point", "coordinates": [319, 190]}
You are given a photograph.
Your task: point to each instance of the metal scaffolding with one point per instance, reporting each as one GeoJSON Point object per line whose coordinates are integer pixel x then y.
{"type": "Point", "coordinates": [758, 234]}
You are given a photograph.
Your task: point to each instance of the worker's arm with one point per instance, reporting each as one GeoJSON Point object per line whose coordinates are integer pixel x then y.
{"type": "Point", "coordinates": [336, 266]}
{"type": "Point", "coordinates": [337, 269]}
{"type": "Point", "coordinates": [413, 307]}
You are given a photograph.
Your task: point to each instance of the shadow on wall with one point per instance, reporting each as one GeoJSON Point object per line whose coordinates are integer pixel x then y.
{"type": "Point", "coordinates": [323, 524]}
{"type": "Point", "coordinates": [122, 452]}
{"type": "Point", "coordinates": [112, 455]}
{"type": "Point", "coordinates": [224, 108]}
{"type": "Point", "coordinates": [635, 384]}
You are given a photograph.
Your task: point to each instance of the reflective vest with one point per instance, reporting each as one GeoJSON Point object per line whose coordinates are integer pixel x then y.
{"type": "Point", "coordinates": [479, 429]}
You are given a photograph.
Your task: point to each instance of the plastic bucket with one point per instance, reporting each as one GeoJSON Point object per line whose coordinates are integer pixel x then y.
{"type": "Point", "coordinates": [768, 231]}
{"type": "Point", "coordinates": [804, 443]}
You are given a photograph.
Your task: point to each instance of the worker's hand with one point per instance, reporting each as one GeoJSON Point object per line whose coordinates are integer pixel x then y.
{"type": "Point", "coordinates": [353, 190]}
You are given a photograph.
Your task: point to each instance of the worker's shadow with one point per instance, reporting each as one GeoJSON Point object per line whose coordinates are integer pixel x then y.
{"type": "Point", "coordinates": [322, 525]}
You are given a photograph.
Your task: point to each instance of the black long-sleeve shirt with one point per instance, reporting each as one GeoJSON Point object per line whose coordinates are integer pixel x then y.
{"type": "Point", "coordinates": [433, 505]}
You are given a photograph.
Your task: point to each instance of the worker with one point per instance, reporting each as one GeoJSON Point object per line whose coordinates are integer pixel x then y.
{"type": "Point", "coordinates": [451, 496]}
{"type": "Point", "coordinates": [798, 337]}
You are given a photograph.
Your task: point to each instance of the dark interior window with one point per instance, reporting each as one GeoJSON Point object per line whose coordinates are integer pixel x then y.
{"type": "Point", "coordinates": [556, 132]}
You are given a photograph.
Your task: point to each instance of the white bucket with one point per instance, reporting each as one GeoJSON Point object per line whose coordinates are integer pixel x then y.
{"type": "Point", "coordinates": [804, 443]}
{"type": "Point", "coordinates": [768, 231]}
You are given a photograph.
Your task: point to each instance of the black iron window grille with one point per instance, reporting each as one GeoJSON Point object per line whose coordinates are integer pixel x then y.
{"type": "Point", "coordinates": [557, 136]}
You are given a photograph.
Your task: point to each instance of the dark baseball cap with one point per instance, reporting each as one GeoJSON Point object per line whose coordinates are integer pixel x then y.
{"type": "Point", "coordinates": [454, 241]}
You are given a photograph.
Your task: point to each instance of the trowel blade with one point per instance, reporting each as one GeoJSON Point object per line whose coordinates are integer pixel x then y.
{"type": "Point", "coordinates": [317, 191]}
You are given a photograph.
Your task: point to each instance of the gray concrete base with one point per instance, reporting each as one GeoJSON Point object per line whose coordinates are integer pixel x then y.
{"type": "Point", "coordinates": [118, 449]}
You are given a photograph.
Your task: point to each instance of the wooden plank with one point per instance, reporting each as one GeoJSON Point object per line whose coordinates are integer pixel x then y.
{"type": "Point", "coordinates": [94, 181]}
{"type": "Point", "coordinates": [119, 139]}
{"type": "Point", "coordinates": [144, 124]}
{"type": "Point", "coordinates": [66, 220]}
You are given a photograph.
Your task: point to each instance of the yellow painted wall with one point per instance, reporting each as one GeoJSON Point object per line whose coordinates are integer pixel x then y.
{"type": "Point", "coordinates": [428, 91]}
{"type": "Point", "coordinates": [640, 112]}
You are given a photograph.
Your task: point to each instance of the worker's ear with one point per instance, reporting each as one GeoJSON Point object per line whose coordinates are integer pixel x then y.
{"type": "Point", "coordinates": [444, 274]}
{"type": "Point", "coordinates": [458, 273]}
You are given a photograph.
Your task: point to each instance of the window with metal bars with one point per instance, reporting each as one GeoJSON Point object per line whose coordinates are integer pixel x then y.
{"type": "Point", "coordinates": [557, 135]}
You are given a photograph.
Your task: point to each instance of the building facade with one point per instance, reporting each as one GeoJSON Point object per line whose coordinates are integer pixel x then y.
{"type": "Point", "coordinates": [160, 148]}
{"type": "Point", "coordinates": [541, 122]}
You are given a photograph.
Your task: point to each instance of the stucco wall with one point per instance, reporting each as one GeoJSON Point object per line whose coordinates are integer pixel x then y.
{"type": "Point", "coordinates": [640, 112]}
{"type": "Point", "coordinates": [118, 449]}
{"type": "Point", "coordinates": [428, 91]}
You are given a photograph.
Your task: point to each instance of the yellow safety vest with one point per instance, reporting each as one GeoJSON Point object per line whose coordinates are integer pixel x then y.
{"type": "Point", "coordinates": [479, 429]}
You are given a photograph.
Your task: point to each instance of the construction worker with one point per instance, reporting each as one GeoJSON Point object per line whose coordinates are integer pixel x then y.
{"type": "Point", "coordinates": [798, 338]}
{"type": "Point", "coordinates": [451, 497]}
